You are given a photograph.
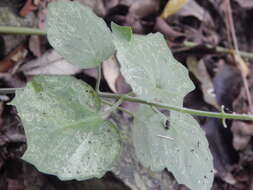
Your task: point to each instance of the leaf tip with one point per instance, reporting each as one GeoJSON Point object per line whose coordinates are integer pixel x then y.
{"type": "Point", "coordinates": [123, 32]}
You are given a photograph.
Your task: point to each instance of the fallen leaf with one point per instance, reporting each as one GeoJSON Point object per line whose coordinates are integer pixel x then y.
{"type": "Point", "coordinates": [172, 7]}
{"type": "Point", "coordinates": [245, 3]}
{"type": "Point", "coordinates": [111, 72]}
{"type": "Point", "coordinates": [141, 9]}
{"type": "Point", "coordinates": [242, 65]}
{"type": "Point", "coordinates": [242, 133]}
{"type": "Point", "coordinates": [35, 45]}
{"type": "Point", "coordinates": [27, 8]}
{"type": "Point", "coordinates": [194, 9]}
{"type": "Point", "coordinates": [162, 26]}
{"type": "Point", "coordinates": [51, 63]}
{"type": "Point", "coordinates": [199, 70]}
{"type": "Point", "coordinates": [17, 55]}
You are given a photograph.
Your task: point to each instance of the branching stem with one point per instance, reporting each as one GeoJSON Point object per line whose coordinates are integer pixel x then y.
{"type": "Point", "coordinates": [119, 108]}
{"type": "Point", "coordinates": [220, 115]}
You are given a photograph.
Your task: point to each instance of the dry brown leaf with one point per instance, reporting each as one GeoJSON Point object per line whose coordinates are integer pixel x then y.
{"type": "Point", "coordinates": [242, 133]}
{"type": "Point", "coordinates": [111, 72]}
{"type": "Point", "coordinates": [17, 55]}
{"type": "Point", "coordinates": [143, 8]}
{"type": "Point", "coordinates": [194, 9]}
{"type": "Point", "coordinates": [245, 3]}
{"type": "Point", "coordinates": [51, 63]}
{"type": "Point", "coordinates": [241, 64]}
{"type": "Point", "coordinates": [172, 7]}
{"type": "Point", "coordinates": [27, 8]}
{"type": "Point", "coordinates": [200, 72]}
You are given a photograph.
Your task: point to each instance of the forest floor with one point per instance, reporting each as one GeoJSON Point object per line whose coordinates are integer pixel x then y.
{"type": "Point", "coordinates": [205, 36]}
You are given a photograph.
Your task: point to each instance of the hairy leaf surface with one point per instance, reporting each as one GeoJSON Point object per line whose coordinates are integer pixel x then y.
{"type": "Point", "coordinates": [65, 133]}
{"type": "Point", "coordinates": [186, 155]}
{"type": "Point", "coordinates": [149, 67]}
{"type": "Point", "coordinates": [78, 34]}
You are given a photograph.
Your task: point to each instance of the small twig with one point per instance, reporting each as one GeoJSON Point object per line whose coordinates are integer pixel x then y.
{"type": "Point", "coordinates": [232, 26]}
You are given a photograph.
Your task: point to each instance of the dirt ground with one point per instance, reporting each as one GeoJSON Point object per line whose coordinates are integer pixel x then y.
{"type": "Point", "coordinates": [204, 36]}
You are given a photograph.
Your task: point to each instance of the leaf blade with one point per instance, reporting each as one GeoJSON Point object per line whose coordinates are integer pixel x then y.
{"type": "Point", "coordinates": [149, 67]}
{"type": "Point", "coordinates": [78, 34]}
{"type": "Point", "coordinates": [186, 155]}
{"type": "Point", "coordinates": [154, 75]}
{"type": "Point", "coordinates": [66, 136]}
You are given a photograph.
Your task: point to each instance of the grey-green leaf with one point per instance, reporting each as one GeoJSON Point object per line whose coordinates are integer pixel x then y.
{"type": "Point", "coordinates": [149, 67]}
{"type": "Point", "coordinates": [65, 133]}
{"type": "Point", "coordinates": [78, 34]}
{"type": "Point", "coordinates": [182, 149]}
{"type": "Point", "coordinates": [154, 75]}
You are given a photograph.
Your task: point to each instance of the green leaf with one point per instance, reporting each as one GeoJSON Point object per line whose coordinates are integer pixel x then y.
{"type": "Point", "coordinates": [154, 75]}
{"type": "Point", "coordinates": [78, 34]}
{"type": "Point", "coordinates": [123, 32]}
{"type": "Point", "coordinates": [149, 67]}
{"type": "Point", "coordinates": [66, 135]}
{"type": "Point", "coordinates": [186, 155]}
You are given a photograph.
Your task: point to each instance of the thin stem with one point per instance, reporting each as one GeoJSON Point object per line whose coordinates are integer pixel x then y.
{"type": "Point", "coordinates": [99, 78]}
{"type": "Point", "coordinates": [220, 49]}
{"type": "Point", "coordinates": [36, 31]}
{"type": "Point", "coordinates": [219, 115]}
{"type": "Point", "coordinates": [21, 30]}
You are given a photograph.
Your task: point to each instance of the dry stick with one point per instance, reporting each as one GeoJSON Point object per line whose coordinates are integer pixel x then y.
{"type": "Point", "coordinates": [237, 55]}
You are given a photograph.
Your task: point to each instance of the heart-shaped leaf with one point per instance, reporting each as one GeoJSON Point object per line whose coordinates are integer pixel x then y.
{"type": "Point", "coordinates": [149, 67]}
{"type": "Point", "coordinates": [180, 147]}
{"type": "Point", "coordinates": [78, 34]}
{"type": "Point", "coordinates": [154, 75]}
{"type": "Point", "coordinates": [66, 135]}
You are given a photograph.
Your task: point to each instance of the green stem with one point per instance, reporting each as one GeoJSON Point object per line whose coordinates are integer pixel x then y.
{"type": "Point", "coordinates": [98, 78]}
{"type": "Point", "coordinates": [21, 30]}
{"type": "Point", "coordinates": [220, 115]}
{"type": "Point", "coordinates": [35, 31]}
{"type": "Point", "coordinates": [220, 49]}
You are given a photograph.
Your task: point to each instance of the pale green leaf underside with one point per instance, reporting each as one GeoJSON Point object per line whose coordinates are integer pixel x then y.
{"type": "Point", "coordinates": [78, 34]}
{"type": "Point", "coordinates": [187, 156]}
{"type": "Point", "coordinates": [149, 67]}
{"type": "Point", "coordinates": [66, 135]}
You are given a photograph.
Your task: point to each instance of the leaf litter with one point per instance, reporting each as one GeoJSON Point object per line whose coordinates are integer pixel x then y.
{"type": "Point", "coordinates": [198, 29]}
